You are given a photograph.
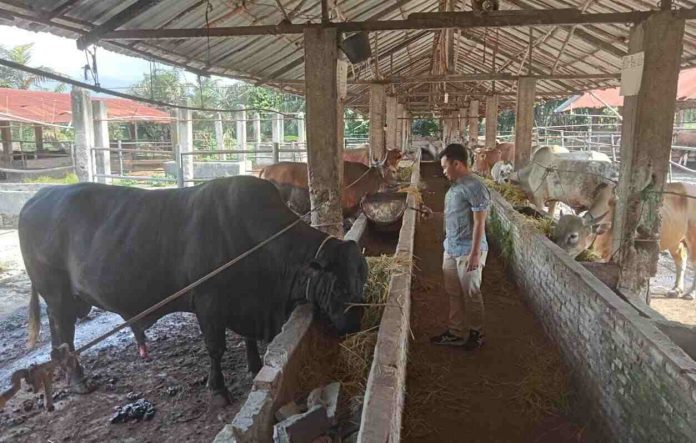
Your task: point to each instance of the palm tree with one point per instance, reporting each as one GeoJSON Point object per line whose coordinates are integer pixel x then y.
{"type": "Point", "coordinates": [16, 79]}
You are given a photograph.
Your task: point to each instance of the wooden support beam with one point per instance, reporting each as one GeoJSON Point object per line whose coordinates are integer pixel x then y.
{"type": "Point", "coordinates": [38, 137]}
{"type": "Point", "coordinates": [324, 126]}
{"type": "Point", "coordinates": [646, 139]}
{"type": "Point", "coordinates": [430, 20]}
{"type": "Point", "coordinates": [6, 135]}
{"type": "Point", "coordinates": [390, 139]}
{"type": "Point", "coordinates": [491, 120]}
{"type": "Point", "coordinates": [473, 121]}
{"type": "Point", "coordinates": [83, 125]}
{"type": "Point", "coordinates": [114, 22]}
{"type": "Point", "coordinates": [377, 120]}
{"type": "Point", "coordinates": [524, 121]}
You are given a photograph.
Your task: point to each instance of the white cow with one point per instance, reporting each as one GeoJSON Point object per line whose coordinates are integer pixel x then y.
{"type": "Point", "coordinates": [501, 172]}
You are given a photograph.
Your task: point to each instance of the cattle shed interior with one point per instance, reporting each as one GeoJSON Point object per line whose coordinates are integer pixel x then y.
{"type": "Point", "coordinates": [397, 61]}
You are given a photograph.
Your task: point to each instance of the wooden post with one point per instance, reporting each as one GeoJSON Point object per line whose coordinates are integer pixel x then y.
{"type": "Point", "coordinates": [399, 126]}
{"type": "Point", "coordinates": [101, 140]}
{"type": "Point", "coordinates": [646, 136]}
{"type": "Point", "coordinates": [6, 132]}
{"type": "Point", "coordinates": [491, 120]}
{"type": "Point", "coordinates": [38, 138]}
{"type": "Point", "coordinates": [463, 122]}
{"type": "Point", "coordinates": [84, 133]}
{"type": "Point", "coordinates": [377, 120]}
{"type": "Point", "coordinates": [219, 132]}
{"type": "Point", "coordinates": [324, 127]}
{"type": "Point", "coordinates": [184, 145]}
{"type": "Point", "coordinates": [391, 120]}
{"type": "Point", "coordinates": [474, 121]}
{"type": "Point", "coordinates": [524, 121]}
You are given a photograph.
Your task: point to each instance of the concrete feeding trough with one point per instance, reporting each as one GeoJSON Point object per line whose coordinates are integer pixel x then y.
{"type": "Point", "coordinates": [384, 209]}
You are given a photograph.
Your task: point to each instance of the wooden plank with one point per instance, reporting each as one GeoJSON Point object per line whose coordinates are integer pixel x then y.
{"type": "Point", "coordinates": [524, 121]}
{"type": "Point", "coordinates": [473, 121]}
{"type": "Point", "coordinates": [324, 120]}
{"type": "Point", "coordinates": [491, 120]}
{"type": "Point", "coordinates": [114, 22]}
{"type": "Point", "coordinates": [377, 120]}
{"type": "Point", "coordinates": [430, 20]}
{"type": "Point", "coordinates": [646, 138]}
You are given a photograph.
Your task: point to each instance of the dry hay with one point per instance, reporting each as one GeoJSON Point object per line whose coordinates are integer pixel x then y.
{"type": "Point", "coordinates": [510, 192]}
{"type": "Point", "coordinates": [415, 192]}
{"type": "Point", "coordinates": [545, 388]}
{"type": "Point", "coordinates": [351, 364]}
{"type": "Point", "coordinates": [404, 173]}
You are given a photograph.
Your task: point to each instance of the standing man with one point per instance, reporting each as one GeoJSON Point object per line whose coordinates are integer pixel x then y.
{"type": "Point", "coordinates": [466, 207]}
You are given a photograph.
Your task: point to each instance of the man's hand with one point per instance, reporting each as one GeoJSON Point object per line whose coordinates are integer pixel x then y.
{"type": "Point", "coordinates": [474, 261]}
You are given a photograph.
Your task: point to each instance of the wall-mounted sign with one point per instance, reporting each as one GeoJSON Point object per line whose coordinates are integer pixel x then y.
{"type": "Point", "coordinates": [632, 73]}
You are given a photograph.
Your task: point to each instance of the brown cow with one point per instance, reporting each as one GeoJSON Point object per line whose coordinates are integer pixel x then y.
{"type": "Point", "coordinates": [574, 234]}
{"type": "Point", "coordinates": [358, 180]}
{"type": "Point", "coordinates": [485, 158]}
{"type": "Point", "coordinates": [362, 155]}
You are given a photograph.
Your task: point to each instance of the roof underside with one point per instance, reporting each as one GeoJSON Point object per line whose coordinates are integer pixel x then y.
{"type": "Point", "coordinates": [278, 60]}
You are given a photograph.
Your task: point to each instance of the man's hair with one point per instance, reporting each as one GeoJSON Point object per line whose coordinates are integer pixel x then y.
{"type": "Point", "coordinates": [456, 151]}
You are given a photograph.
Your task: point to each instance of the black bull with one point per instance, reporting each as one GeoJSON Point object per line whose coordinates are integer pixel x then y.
{"type": "Point", "coordinates": [124, 249]}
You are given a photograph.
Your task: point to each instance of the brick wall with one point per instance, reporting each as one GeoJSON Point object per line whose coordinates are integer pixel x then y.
{"type": "Point", "coordinates": [635, 382]}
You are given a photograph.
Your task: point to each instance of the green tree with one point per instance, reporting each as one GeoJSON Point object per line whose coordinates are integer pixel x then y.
{"type": "Point", "coordinates": [425, 127]}
{"type": "Point", "coordinates": [163, 85]}
{"type": "Point", "coordinates": [16, 79]}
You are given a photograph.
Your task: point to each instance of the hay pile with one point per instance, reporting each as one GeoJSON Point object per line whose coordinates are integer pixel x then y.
{"type": "Point", "coordinates": [404, 173]}
{"type": "Point", "coordinates": [351, 364]}
{"type": "Point", "coordinates": [510, 192]}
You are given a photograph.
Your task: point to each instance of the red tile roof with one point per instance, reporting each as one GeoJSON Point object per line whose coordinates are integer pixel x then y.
{"type": "Point", "coordinates": [22, 105]}
{"type": "Point", "coordinates": [600, 98]}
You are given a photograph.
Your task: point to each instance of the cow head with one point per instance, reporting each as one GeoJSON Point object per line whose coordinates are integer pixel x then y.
{"type": "Point", "coordinates": [337, 279]}
{"type": "Point", "coordinates": [574, 234]}
{"type": "Point", "coordinates": [502, 172]}
{"type": "Point", "coordinates": [388, 173]}
{"type": "Point", "coordinates": [394, 156]}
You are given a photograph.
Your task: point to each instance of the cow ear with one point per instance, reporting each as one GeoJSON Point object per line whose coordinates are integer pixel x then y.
{"type": "Point", "coordinates": [600, 228]}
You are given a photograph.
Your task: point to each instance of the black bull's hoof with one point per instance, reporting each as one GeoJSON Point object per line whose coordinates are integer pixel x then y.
{"type": "Point", "coordinates": [220, 399]}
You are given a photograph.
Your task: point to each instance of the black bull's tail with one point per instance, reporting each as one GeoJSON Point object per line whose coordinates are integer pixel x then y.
{"type": "Point", "coordinates": [34, 318]}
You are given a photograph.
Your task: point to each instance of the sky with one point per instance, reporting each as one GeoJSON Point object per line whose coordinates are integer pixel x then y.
{"type": "Point", "coordinates": [116, 71]}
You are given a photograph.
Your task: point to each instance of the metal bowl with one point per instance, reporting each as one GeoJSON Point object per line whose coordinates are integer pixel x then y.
{"type": "Point", "coordinates": [384, 209]}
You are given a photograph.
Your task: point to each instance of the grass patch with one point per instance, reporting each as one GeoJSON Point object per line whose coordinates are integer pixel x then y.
{"type": "Point", "coordinates": [67, 180]}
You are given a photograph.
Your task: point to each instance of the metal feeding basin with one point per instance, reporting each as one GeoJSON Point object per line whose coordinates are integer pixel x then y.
{"type": "Point", "coordinates": [384, 209]}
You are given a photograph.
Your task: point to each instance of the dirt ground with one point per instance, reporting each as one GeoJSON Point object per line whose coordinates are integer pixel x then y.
{"type": "Point", "coordinates": [514, 389]}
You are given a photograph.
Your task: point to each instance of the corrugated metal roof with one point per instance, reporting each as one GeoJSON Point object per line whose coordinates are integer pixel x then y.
{"type": "Point", "coordinates": [276, 60]}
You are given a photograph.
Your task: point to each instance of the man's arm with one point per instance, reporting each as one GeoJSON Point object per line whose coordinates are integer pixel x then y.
{"type": "Point", "coordinates": [479, 230]}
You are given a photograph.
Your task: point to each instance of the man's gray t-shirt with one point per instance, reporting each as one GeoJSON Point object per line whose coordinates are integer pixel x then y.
{"type": "Point", "coordinates": [466, 196]}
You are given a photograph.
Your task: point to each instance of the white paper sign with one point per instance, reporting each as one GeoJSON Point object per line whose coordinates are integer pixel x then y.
{"type": "Point", "coordinates": [631, 73]}
{"type": "Point", "coordinates": [342, 78]}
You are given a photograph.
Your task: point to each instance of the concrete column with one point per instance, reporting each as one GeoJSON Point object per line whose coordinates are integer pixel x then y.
{"type": "Point", "coordinates": [377, 120]}
{"type": "Point", "coordinates": [84, 133]}
{"type": "Point", "coordinates": [278, 128]}
{"type": "Point", "coordinates": [219, 132]}
{"type": "Point", "coordinates": [391, 120]}
{"type": "Point", "coordinates": [101, 140]}
{"type": "Point", "coordinates": [184, 145]}
{"type": "Point", "coordinates": [324, 129]}
{"type": "Point", "coordinates": [301, 130]}
{"type": "Point", "coordinates": [491, 120]}
{"type": "Point", "coordinates": [473, 121]}
{"type": "Point", "coordinates": [646, 136]}
{"type": "Point", "coordinates": [241, 131]}
{"type": "Point", "coordinates": [524, 121]}
{"type": "Point", "coordinates": [257, 130]}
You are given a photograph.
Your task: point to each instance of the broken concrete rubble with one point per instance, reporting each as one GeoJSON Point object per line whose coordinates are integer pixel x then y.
{"type": "Point", "coordinates": [326, 396]}
{"type": "Point", "coordinates": [302, 428]}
